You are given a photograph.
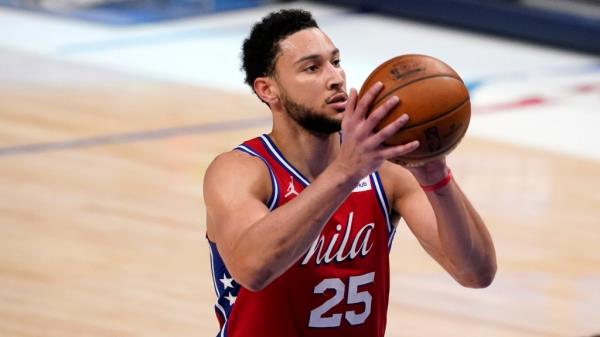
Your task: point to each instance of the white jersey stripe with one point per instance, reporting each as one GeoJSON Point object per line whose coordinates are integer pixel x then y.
{"type": "Point", "coordinates": [382, 201]}
{"type": "Point", "coordinates": [212, 269]}
{"type": "Point", "coordinates": [275, 194]}
{"type": "Point", "coordinates": [214, 277]}
{"type": "Point", "coordinates": [391, 238]}
{"type": "Point", "coordinates": [275, 152]}
{"type": "Point", "coordinates": [224, 327]}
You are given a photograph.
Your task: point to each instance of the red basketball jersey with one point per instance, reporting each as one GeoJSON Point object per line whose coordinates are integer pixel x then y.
{"type": "Point", "coordinates": [339, 287]}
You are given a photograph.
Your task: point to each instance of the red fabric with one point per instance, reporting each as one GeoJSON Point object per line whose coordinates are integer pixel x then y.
{"type": "Point", "coordinates": [285, 307]}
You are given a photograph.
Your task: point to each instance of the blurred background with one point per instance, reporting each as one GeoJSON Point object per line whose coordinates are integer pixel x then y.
{"type": "Point", "coordinates": [111, 110]}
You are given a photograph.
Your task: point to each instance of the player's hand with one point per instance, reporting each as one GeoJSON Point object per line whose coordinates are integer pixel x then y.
{"type": "Point", "coordinates": [362, 150]}
{"type": "Point", "coordinates": [431, 171]}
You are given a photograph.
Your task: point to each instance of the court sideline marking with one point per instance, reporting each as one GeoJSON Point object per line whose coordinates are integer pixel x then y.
{"type": "Point", "coordinates": [130, 137]}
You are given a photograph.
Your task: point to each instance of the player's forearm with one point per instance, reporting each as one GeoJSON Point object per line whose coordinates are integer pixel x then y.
{"type": "Point", "coordinates": [280, 238]}
{"type": "Point", "coordinates": [464, 238]}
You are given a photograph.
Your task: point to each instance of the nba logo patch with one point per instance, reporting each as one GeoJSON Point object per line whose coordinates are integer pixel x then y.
{"type": "Point", "coordinates": [363, 185]}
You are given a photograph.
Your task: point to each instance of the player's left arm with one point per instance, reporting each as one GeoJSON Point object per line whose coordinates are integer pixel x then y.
{"type": "Point", "coordinates": [444, 221]}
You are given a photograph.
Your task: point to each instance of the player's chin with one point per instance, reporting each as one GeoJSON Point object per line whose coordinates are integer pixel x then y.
{"type": "Point", "coordinates": [337, 116]}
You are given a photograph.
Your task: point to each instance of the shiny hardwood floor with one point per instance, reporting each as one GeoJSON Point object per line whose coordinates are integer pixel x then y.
{"type": "Point", "coordinates": [102, 218]}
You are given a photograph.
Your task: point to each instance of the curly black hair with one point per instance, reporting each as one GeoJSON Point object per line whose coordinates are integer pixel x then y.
{"type": "Point", "coordinates": [260, 49]}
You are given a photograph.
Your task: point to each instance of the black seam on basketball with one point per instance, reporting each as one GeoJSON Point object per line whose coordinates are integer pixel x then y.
{"type": "Point", "coordinates": [395, 59]}
{"type": "Point", "coordinates": [439, 152]}
{"type": "Point", "coordinates": [391, 92]}
{"type": "Point", "coordinates": [440, 116]}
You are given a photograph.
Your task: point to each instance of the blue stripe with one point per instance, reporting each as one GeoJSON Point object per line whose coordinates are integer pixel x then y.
{"type": "Point", "coordinates": [275, 188]}
{"type": "Point", "coordinates": [383, 205]}
{"type": "Point", "coordinates": [391, 238]}
{"type": "Point", "coordinates": [278, 156]}
{"type": "Point", "coordinates": [121, 138]}
{"type": "Point", "coordinates": [212, 269]}
{"type": "Point", "coordinates": [381, 191]}
{"type": "Point", "coordinates": [219, 269]}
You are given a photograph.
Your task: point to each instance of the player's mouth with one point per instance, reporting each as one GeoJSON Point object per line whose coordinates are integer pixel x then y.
{"type": "Point", "coordinates": [338, 101]}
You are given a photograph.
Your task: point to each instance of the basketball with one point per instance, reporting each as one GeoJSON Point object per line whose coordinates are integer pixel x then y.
{"type": "Point", "coordinates": [434, 97]}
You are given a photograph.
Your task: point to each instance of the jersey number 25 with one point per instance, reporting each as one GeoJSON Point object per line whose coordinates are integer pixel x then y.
{"type": "Point", "coordinates": [317, 320]}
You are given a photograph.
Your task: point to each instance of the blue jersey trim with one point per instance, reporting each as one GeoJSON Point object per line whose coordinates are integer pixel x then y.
{"type": "Point", "coordinates": [218, 268]}
{"type": "Point", "coordinates": [278, 156]}
{"type": "Point", "coordinates": [224, 330]}
{"type": "Point", "coordinates": [384, 206]}
{"type": "Point", "coordinates": [274, 187]}
{"type": "Point", "coordinates": [212, 269]}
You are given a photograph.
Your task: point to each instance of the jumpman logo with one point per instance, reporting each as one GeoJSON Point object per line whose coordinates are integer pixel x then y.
{"type": "Point", "coordinates": [291, 190]}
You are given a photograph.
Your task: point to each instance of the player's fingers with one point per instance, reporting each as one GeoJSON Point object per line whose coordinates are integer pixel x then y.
{"type": "Point", "coordinates": [365, 102]}
{"type": "Point", "coordinates": [399, 150]}
{"type": "Point", "coordinates": [390, 129]}
{"type": "Point", "coordinates": [350, 104]}
{"type": "Point", "coordinates": [383, 110]}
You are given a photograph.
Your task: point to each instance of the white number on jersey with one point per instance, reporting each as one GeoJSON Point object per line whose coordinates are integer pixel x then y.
{"type": "Point", "coordinates": [354, 296]}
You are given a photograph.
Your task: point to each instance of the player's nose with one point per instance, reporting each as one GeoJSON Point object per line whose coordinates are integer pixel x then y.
{"type": "Point", "coordinates": [336, 78]}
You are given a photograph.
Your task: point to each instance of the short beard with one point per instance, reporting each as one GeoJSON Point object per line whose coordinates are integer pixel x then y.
{"type": "Point", "coordinates": [310, 120]}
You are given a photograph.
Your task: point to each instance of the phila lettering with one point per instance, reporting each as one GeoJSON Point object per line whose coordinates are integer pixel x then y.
{"type": "Point", "coordinates": [323, 249]}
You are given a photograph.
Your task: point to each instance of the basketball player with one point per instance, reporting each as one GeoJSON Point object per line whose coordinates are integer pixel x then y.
{"type": "Point", "coordinates": [300, 222]}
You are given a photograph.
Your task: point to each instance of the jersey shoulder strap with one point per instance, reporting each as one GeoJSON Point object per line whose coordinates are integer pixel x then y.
{"type": "Point", "coordinates": [255, 148]}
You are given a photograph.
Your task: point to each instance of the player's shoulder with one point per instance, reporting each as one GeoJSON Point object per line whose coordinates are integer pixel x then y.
{"type": "Point", "coordinates": [236, 171]}
{"type": "Point", "coordinates": [233, 158]}
{"type": "Point", "coordinates": [235, 163]}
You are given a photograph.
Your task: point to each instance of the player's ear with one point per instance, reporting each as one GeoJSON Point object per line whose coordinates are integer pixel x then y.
{"type": "Point", "coordinates": [266, 89]}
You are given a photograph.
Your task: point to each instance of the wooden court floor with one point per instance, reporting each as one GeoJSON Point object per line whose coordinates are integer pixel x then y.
{"type": "Point", "coordinates": [102, 217]}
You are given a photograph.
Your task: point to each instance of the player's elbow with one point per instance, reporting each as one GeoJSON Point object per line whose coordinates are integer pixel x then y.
{"type": "Point", "coordinates": [481, 278]}
{"type": "Point", "coordinates": [481, 281]}
{"type": "Point", "coordinates": [255, 279]}
{"type": "Point", "coordinates": [254, 285]}
{"type": "Point", "coordinates": [254, 272]}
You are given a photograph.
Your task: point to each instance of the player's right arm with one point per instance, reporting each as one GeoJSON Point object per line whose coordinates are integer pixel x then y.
{"type": "Point", "coordinates": [258, 245]}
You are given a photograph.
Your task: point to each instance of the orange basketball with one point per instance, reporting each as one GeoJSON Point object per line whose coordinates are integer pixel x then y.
{"type": "Point", "coordinates": [432, 95]}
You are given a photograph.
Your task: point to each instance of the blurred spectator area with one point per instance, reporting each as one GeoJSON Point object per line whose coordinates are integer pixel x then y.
{"type": "Point", "coordinates": [129, 12]}
{"type": "Point", "coordinates": [572, 24]}
{"type": "Point", "coordinates": [583, 8]}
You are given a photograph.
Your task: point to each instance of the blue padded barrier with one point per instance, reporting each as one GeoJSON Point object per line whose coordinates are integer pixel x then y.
{"type": "Point", "coordinates": [506, 18]}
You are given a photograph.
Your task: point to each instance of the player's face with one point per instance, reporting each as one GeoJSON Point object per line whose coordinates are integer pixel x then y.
{"type": "Point", "coordinates": [311, 81]}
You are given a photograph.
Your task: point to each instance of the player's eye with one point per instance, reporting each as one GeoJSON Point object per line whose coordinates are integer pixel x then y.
{"type": "Point", "coordinates": [336, 62]}
{"type": "Point", "coordinates": [311, 68]}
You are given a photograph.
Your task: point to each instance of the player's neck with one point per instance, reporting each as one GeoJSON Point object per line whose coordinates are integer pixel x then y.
{"type": "Point", "coordinates": [308, 152]}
